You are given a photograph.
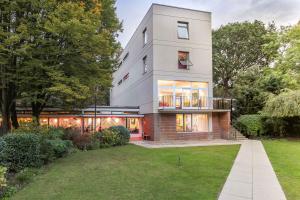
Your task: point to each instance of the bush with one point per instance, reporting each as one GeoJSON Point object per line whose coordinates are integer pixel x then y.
{"type": "Point", "coordinates": [18, 151]}
{"type": "Point", "coordinates": [71, 133]}
{"type": "Point", "coordinates": [123, 132]}
{"type": "Point", "coordinates": [86, 142]}
{"type": "Point", "coordinates": [2, 176]}
{"type": "Point", "coordinates": [32, 128]}
{"type": "Point", "coordinates": [250, 125]}
{"type": "Point", "coordinates": [111, 137]}
{"type": "Point", "coordinates": [51, 149]}
{"type": "Point", "coordinates": [26, 175]}
{"type": "Point", "coordinates": [55, 133]}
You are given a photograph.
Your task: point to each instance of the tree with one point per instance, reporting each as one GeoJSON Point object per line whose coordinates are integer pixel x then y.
{"type": "Point", "coordinates": [237, 47]}
{"type": "Point", "coordinates": [250, 97]}
{"type": "Point", "coordinates": [70, 48]}
{"type": "Point", "coordinates": [14, 16]}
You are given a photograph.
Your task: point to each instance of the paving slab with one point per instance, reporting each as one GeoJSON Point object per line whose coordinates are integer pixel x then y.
{"type": "Point", "coordinates": [184, 143]}
{"type": "Point", "coordinates": [252, 176]}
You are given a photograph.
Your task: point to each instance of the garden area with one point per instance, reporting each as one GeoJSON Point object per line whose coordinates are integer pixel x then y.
{"type": "Point", "coordinates": [132, 172]}
{"type": "Point", "coordinates": [26, 150]}
{"type": "Point", "coordinates": [284, 155]}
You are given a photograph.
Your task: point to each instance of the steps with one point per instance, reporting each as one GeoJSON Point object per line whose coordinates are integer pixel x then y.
{"type": "Point", "coordinates": [236, 135]}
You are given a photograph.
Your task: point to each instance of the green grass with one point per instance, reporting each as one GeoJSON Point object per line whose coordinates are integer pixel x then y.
{"type": "Point", "coordinates": [285, 159]}
{"type": "Point", "coordinates": [132, 172]}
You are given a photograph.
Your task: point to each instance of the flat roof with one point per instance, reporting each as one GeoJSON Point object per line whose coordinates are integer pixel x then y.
{"type": "Point", "coordinates": [158, 4]}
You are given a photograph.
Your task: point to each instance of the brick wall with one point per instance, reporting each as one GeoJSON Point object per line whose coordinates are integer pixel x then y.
{"type": "Point", "coordinates": [163, 127]}
{"type": "Point", "coordinates": [167, 129]}
{"type": "Point", "coordinates": [221, 124]}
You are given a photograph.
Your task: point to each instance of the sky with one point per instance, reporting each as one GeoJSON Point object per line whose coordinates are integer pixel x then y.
{"type": "Point", "coordinates": [282, 12]}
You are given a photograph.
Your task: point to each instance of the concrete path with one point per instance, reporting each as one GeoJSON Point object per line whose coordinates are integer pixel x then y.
{"type": "Point", "coordinates": [184, 143]}
{"type": "Point", "coordinates": [252, 176]}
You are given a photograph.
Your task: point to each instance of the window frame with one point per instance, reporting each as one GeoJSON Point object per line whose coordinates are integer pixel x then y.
{"type": "Point", "coordinates": [180, 25]}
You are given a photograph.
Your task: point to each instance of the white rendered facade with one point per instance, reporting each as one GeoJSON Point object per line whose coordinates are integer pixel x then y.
{"type": "Point", "coordinates": [139, 88]}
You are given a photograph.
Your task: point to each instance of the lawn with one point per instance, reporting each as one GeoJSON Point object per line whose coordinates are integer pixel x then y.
{"type": "Point", "coordinates": [285, 159]}
{"type": "Point", "coordinates": [132, 172]}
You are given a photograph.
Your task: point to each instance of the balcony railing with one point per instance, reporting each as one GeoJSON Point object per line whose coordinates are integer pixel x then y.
{"type": "Point", "coordinates": [187, 102]}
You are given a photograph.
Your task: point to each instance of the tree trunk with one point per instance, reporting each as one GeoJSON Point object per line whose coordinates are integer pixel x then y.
{"type": "Point", "coordinates": [35, 113]}
{"type": "Point", "coordinates": [5, 110]}
{"type": "Point", "coordinates": [14, 117]}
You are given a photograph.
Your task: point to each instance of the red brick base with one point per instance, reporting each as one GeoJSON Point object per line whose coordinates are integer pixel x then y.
{"type": "Point", "coordinates": [163, 127]}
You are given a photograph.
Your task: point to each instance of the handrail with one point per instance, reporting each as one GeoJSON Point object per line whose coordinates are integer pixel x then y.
{"type": "Point", "coordinates": [188, 102]}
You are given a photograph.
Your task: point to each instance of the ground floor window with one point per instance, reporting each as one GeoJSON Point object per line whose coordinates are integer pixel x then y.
{"type": "Point", "coordinates": [192, 122]}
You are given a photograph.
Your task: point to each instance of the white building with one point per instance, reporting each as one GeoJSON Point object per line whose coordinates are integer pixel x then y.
{"type": "Point", "coordinates": [166, 70]}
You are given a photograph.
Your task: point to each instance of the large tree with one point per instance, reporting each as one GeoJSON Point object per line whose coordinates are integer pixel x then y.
{"type": "Point", "coordinates": [71, 47]}
{"type": "Point", "coordinates": [237, 47]}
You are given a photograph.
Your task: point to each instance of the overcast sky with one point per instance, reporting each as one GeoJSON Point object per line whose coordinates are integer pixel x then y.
{"type": "Point", "coordinates": [283, 12]}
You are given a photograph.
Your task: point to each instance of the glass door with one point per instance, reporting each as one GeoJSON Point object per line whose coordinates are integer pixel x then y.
{"type": "Point", "coordinates": [195, 98]}
{"type": "Point", "coordinates": [186, 97]}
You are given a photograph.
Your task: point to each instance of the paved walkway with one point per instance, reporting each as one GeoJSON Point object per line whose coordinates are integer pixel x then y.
{"type": "Point", "coordinates": [252, 176]}
{"type": "Point", "coordinates": [184, 143]}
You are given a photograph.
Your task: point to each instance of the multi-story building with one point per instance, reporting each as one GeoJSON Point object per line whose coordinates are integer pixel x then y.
{"type": "Point", "coordinates": [166, 70]}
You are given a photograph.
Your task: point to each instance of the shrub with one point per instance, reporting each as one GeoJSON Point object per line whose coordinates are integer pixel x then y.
{"type": "Point", "coordinates": [86, 142]}
{"type": "Point", "coordinates": [18, 151]}
{"type": "Point", "coordinates": [26, 175]}
{"type": "Point", "coordinates": [33, 128]}
{"type": "Point", "coordinates": [250, 125]}
{"type": "Point", "coordinates": [59, 147]}
{"type": "Point", "coordinates": [123, 132]}
{"type": "Point", "coordinates": [111, 137]}
{"type": "Point", "coordinates": [71, 133]}
{"type": "Point", "coordinates": [7, 192]}
{"type": "Point", "coordinates": [2, 176]}
{"type": "Point", "coordinates": [55, 133]}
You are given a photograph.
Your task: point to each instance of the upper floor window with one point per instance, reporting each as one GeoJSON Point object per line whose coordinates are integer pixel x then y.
{"type": "Point", "coordinates": [183, 30]}
{"type": "Point", "coordinates": [145, 36]}
{"type": "Point", "coordinates": [145, 65]}
{"type": "Point", "coordinates": [184, 60]}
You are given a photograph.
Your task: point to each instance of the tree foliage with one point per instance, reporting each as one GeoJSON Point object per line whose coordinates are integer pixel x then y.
{"type": "Point", "coordinates": [237, 47]}
{"type": "Point", "coordinates": [56, 51]}
{"type": "Point", "coordinates": [286, 104]}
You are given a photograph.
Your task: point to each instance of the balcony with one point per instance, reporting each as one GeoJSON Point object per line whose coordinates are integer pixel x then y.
{"type": "Point", "coordinates": [169, 103]}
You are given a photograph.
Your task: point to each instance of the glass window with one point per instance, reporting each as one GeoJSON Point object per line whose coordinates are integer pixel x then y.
{"type": "Point", "coordinates": [183, 59]}
{"type": "Point", "coordinates": [183, 30]}
{"type": "Point", "coordinates": [192, 122]}
{"type": "Point", "coordinates": [188, 123]}
{"type": "Point", "coordinates": [179, 123]}
{"type": "Point", "coordinates": [145, 66]}
{"type": "Point", "coordinates": [182, 94]}
{"type": "Point", "coordinates": [133, 125]}
{"type": "Point", "coordinates": [53, 122]}
{"type": "Point", "coordinates": [44, 121]}
{"type": "Point", "coordinates": [69, 122]}
{"type": "Point", "coordinates": [165, 83]}
{"type": "Point", "coordinates": [199, 84]}
{"type": "Point", "coordinates": [166, 97]}
{"type": "Point", "coordinates": [200, 123]}
{"type": "Point", "coordinates": [145, 36]}
{"type": "Point", "coordinates": [183, 84]}
{"type": "Point", "coordinates": [186, 97]}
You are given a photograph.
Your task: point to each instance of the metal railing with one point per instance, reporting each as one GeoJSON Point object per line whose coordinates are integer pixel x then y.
{"type": "Point", "coordinates": [188, 102]}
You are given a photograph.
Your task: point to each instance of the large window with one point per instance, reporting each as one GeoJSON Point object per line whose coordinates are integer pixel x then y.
{"type": "Point", "coordinates": [183, 30]}
{"type": "Point", "coordinates": [182, 94]}
{"type": "Point", "coordinates": [192, 123]}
